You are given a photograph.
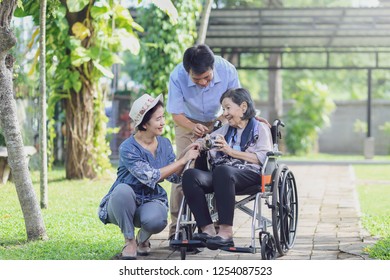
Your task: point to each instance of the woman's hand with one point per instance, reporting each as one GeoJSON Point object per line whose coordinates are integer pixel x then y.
{"type": "Point", "coordinates": [263, 120]}
{"type": "Point", "coordinates": [197, 145]}
{"type": "Point", "coordinates": [192, 152]}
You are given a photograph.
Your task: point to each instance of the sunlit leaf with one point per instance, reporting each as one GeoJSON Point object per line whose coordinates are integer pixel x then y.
{"type": "Point", "coordinates": [80, 31]}
{"type": "Point", "coordinates": [75, 6]}
{"type": "Point", "coordinates": [100, 12]}
{"type": "Point", "coordinates": [77, 85]}
{"type": "Point", "coordinates": [33, 36]}
{"type": "Point", "coordinates": [129, 41]}
{"type": "Point", "coordinates": [137, 27]}
{"type": "Point", "coordinates": [167, 7]}
{"type": "Point", "coordinates": [104, 56]}
{"type": "Point", "coordinates": [34, 63]}
{"type": "Point", "coordinates": [79, 56]}
{"type": "Point", "coordinates": [105, 71]}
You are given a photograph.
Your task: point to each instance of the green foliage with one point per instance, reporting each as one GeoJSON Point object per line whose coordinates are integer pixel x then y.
{"type": "Point", "coordinates": [75, 6]}
{"type": "Point", "coordinates": [348, 84]}
{"type": "Point", "coordinates": [360, 126]}
{"type": "Point", "coordinates": [381, 249]}
{"type": "Point", "coordinates": [308, 115]}
{"type": "Point", "coordinates": [101, 145]}
{"type": "Point", "coordinates": [81, 52]}
{"type": "Point", "coordinates": [374, 196]}
{"type": "Point", "coordinates": [2, 139]}
{"type": "Point", "coordinates": [342, 84]}
{"type": "Point", "coordinates": [386, 129]}
{"type": "Point", "coordinates": [163, 45]}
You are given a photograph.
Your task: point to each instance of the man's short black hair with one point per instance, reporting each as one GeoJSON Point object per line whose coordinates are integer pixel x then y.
{"type": "Point", "coordinates": [199, 59]}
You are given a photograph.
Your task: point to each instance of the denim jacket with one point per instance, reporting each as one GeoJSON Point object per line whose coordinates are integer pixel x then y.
{"type": "Point", "coordinates": [139, 169]}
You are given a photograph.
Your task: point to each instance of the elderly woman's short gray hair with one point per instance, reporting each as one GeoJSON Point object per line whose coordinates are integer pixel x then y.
{"type": "Point", "coordinates": [238, 96]}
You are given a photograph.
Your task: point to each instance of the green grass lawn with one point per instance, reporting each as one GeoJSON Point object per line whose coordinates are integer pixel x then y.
{"type": "Point", "coordinates": [76, 233]}
{"type": "Point", "coordinates": [373, 185]}
{"type": "Point", "coordinates": [331, 157]}
{"type": "Point", "coordinates": [74, 230]}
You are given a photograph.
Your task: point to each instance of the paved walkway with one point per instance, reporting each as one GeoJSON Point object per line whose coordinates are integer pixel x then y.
{"type": "Point", "coordinates": [328, 225]}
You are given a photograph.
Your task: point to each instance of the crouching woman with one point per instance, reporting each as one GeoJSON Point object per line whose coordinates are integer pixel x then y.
{"type": "Point", "coordinates": [136, 199]}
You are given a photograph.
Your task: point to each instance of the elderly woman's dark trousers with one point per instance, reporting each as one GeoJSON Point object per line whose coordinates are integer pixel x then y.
{"type": "Point", "coordinates": [225, 182]}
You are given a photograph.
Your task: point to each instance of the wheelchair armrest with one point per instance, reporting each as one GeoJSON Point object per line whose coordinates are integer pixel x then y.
{"type": "Point", "coordinates": [274, 154]}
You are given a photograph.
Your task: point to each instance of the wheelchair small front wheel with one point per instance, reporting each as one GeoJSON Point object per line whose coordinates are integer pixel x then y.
{"type": "Point", "coordinates": [184, 236]}
{"type": "Point", "coordinates": [183, 253]}
{"type": "Point", "coordinates": [268, 247]}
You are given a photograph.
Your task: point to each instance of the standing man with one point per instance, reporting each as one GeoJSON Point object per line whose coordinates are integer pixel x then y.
{"type": "Point", "coordinates": [195, 87]}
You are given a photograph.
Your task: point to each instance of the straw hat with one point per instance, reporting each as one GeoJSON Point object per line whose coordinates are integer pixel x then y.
{"type": "Point", "coordinates": [141, 106]}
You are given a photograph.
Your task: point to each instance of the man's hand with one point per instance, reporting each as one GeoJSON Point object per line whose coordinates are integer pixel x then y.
{"type": "Point", "coordinates": [260, 119]}
{"type": "Point", "coordinates": [199, 130]}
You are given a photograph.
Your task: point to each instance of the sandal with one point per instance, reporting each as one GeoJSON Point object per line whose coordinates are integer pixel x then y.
{"type": "Point", "coordinates": [143, 249]}
{"type": "Point", "coordinates": [122, 257]}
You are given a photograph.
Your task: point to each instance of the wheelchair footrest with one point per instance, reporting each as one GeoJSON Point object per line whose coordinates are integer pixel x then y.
{"type": "Point", "coordinates": [187, 243]}
{"type": "Point", "coordinates": [237, 249]}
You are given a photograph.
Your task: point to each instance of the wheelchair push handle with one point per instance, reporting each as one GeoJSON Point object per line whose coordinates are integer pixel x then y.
{"type": "Point", "coordinates": [277, 123]}
{"type": "Point", "coordinates": [276, 135]}
{"type": "Point", "coordinates": [217, 125]}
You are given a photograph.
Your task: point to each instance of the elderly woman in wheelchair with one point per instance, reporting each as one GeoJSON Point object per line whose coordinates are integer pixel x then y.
{"type": "Point", "coordinates": [237, 152]}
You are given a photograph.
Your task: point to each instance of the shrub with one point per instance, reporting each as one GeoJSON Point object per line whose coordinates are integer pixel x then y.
{"type": "Point", "coordinates": [308, 115]}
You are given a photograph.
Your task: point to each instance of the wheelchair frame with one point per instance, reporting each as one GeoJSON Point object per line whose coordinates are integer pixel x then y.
{"type": "Point", "coordinates": [278, 190]}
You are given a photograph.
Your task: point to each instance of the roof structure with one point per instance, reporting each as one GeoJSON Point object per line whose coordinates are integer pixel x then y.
{"type": "Point", "coordinates": [299, 27]}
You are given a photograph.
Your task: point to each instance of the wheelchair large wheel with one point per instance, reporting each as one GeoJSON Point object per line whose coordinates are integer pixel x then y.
{"type": "Point", "coordinates": [288, 209]}
{"type": "Point", "coordinates": [284, 209]}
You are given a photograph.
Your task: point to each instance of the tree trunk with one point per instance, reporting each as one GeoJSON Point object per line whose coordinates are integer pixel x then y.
{"type": "Point", "coordinates": [79, 125]}
{"type": "Point", "coordinates": [16, 155]}
{"type": "Point", "coordinates": [204, 22]}
{"type": "Point", "coordinates": [42, 89]}
{"type": "Point", "coordinates": [80, 114]}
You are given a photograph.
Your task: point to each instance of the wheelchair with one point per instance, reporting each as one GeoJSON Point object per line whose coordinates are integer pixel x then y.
{"type": "Point", "coordinates": [277, 191]}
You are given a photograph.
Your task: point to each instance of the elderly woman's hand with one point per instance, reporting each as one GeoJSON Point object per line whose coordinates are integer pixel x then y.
{"type": "Point", "coordinates": [222, 145]}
